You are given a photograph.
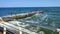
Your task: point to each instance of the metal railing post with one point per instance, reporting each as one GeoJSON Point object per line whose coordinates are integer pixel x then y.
{"type": "Point", "coordinates": [58, 30]}
{"type": "Point", "coordinates": [4, 31]}
{"type": "Point", "coordinates": [20, 32]}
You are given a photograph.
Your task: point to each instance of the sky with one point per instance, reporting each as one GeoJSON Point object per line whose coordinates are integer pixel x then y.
{"type": "Point", "coordinates": [29, 3]}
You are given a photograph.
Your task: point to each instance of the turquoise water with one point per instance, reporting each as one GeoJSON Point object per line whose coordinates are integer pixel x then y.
{"type": "Point", "coordinates": [51, 16]}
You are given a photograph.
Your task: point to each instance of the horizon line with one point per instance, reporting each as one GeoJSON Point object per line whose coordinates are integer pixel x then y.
{"type": "Point", "coordinates": [18, 7]}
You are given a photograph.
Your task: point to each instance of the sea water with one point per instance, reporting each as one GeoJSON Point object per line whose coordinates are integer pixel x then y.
{"type": "Point", "coordinates": [51, 16]}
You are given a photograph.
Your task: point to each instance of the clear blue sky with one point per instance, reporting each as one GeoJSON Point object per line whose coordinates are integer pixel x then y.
{"type": "Point", "coordinates": [29, 3]}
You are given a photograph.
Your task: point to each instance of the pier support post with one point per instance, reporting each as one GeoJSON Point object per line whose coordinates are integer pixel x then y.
{"type": "Point", "coordinates": [4, 31]}
{"type": "Point", "coordinates": [58, 30]}
{"type": "Point", "coordinates": [4, 28]}
{"type": "Point", "coordinates": [20, 32]}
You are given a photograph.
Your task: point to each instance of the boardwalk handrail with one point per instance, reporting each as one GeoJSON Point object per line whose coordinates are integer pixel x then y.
{"type": "Point", "coordinates": [15, 27]}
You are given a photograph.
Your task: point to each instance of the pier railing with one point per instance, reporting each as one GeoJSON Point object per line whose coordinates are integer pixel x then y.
{"type": "Point", "coordinates": [21, 29]}
{"type": "Point", "coordinates": [6, 25]}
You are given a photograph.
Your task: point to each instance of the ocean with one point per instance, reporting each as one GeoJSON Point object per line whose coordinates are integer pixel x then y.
{"type": "Point", "coordinates": [53, 18]}
{"type": "Point", "coordinates": [9, 11]}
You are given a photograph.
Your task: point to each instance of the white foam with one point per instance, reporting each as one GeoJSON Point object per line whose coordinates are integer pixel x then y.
{"type": "Point", "coordinates": [58, 30]}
